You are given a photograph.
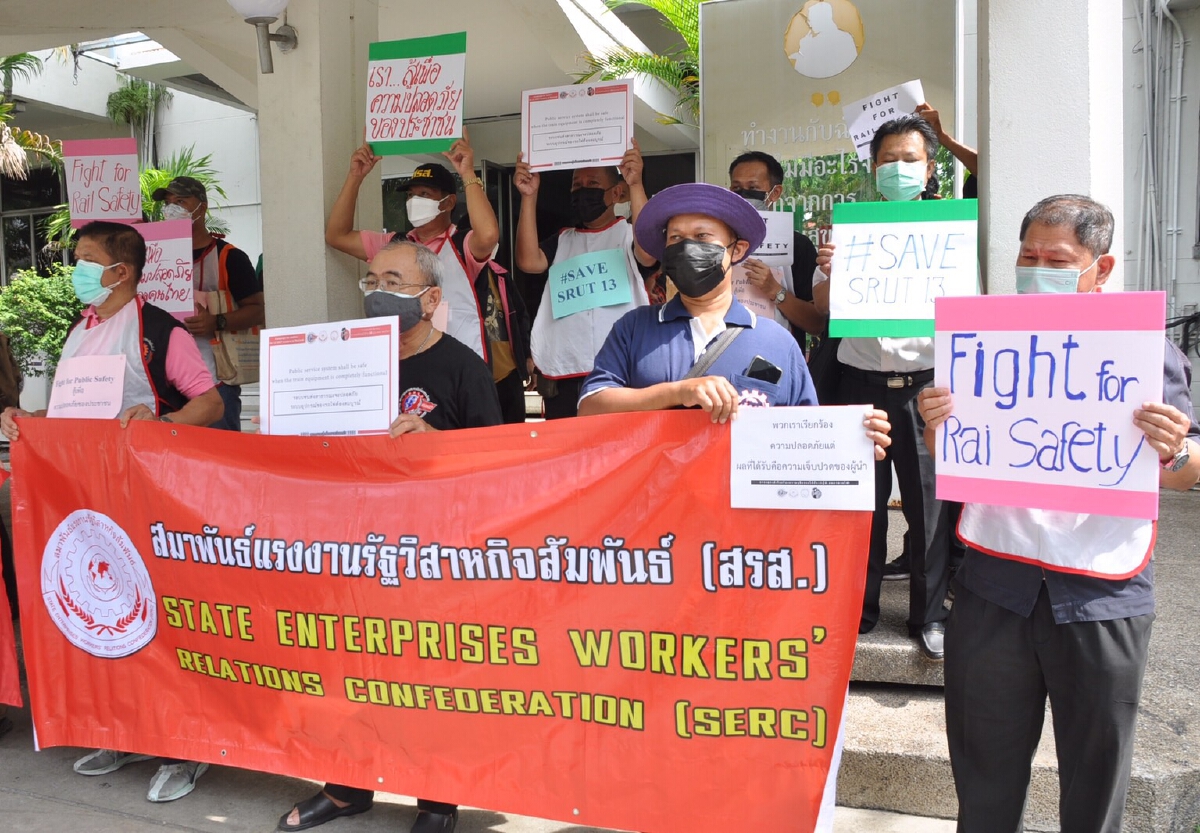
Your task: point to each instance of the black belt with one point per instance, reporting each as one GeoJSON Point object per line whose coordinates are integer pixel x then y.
{"type": "Point", "coordinates": [887, 379]}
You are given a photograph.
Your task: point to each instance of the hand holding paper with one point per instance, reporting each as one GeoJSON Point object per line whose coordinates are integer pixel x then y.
{"type": "Point", "coordinates": [632, 164]}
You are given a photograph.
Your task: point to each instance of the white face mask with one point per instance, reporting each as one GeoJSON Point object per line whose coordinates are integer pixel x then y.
{"type": "Point", "coordinates": [175, 211]}
{"type": "Point", "coordinates": [422, 210]}
{"type": "Point", "coordinates": [623, 209]}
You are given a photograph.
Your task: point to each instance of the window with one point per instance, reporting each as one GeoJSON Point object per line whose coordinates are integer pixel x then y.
{"type": "Point", "coordinates": [24, 207]}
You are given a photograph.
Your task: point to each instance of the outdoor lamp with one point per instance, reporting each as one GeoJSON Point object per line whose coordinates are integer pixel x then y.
{"type": "Point", "coordinates": [260, 13]}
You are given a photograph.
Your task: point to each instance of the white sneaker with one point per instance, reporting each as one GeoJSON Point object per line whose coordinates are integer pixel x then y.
{"type": "Point", "coordinates": [174, 781]}
{"type": "Point", "coordinates": [104, 761]}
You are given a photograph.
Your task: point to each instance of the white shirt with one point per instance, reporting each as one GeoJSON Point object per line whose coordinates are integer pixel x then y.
{"type": "Point", "coordinates": [889, 355]}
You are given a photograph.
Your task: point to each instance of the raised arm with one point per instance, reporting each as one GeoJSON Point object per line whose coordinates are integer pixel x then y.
{"type": "Point", "coordinates": [340, 233]}
{"type": "Point", "coordinates": [530, 257]}
{"type": "Point", "coordinates": [632, 165]}
{"type": "Point", "coordinates": [485, 230]}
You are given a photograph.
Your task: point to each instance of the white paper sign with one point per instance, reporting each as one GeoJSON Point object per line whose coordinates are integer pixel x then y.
{"type": "Point", "coordinates": [576, 126]}
{"type": "Point", "coordinates": [88, 387]}
{"type": "Point", "coordinates": [776, 248]}
{"type": "Point", "coordinates": [166, 279]}
{"type": "Point", "coordinates": [102, 180]}
{"type": "Point", "coordinates": [336, 379]}
{"type": "Point", "coordinates": [802, 458]}
{"type": "Point", "coordinates": [864, 117]}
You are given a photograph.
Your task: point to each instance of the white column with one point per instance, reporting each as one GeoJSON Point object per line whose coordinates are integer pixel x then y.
{"type": "Point", "coordinates": [311, 119]}
{"type": "Point", "coordinates": [1050, 117]}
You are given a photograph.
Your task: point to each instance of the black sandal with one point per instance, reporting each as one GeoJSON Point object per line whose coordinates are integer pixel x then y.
{"type": "Point", "coordinates": [320, 809]}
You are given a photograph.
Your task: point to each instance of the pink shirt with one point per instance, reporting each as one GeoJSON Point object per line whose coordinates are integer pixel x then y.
{"type": "Point", "coordinates": [185, 368]}
{"type": "Point", "coordinates": [374, 241]}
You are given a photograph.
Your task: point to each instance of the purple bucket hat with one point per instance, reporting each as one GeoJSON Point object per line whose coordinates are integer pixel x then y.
{"type": "Point", "coordinates": [697, 198]}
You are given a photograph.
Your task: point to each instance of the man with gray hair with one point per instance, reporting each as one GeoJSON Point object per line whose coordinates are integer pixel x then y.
{"type": "Point", "coordinates": [444, 385]}
{"type": "Point", "coordinates": [1023, 627]}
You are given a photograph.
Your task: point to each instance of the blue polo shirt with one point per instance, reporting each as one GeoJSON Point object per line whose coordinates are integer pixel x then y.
{"type": "Point", "coordinates": [652, 345]}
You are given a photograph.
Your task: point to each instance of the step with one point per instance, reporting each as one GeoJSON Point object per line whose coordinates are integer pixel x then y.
{"type": "Point", "coordinates": [888, 654]}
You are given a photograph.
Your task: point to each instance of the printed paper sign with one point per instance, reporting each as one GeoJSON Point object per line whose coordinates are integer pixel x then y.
{"type": "Point", "coordinates": [587, 281]}
{"type": "Point", "coordinates": [864, 118]}
{"type": "Point", "coordinates": [102, 180]}
{"type": "Point", "coordinates": [166, 280]}
{"type": "Point", "coordinates": [88, 387]}
{"type": "Point", "coordinates": [415, 94]}
{"type": "Point", "coordinates": [750, 296]}
{"type": "Point", "coordinates": [339, 378]}
{"type": "Point", "coordinates": [776, 248]}
{"type": "Point", "coordinates": [893, 259]}
{"type": "Point", "coordinates": [576, 126]}
{"type": "Point", "coordinates": [802, 458]}
{"type": "Point", "coordinates": [1044, 390]}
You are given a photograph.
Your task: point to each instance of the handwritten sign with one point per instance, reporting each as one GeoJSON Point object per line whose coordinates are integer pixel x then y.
{"type": "Point", "coordinates": [802, 458]}
{"type": "Point", "coordinates": [415, 94]}
{"type": "Point", "coordinates": [167, 278]}
{"type": "Point", "coordinates": [102, 180]}
{"type": "Point", "coordinates": [1044, 390]}
{"type": "Point", "coordinates": [587, 281]}
{"type": "Point", "coordinates": [576, 126]}
{"type": "Point", "coordinates": [88, 387]}
{"type": "Point", "coordinates": [864, 117]}
{"type": "Point", "coordinates": [894, 258]}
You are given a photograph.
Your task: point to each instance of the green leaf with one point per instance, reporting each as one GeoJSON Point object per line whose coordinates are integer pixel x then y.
{"type": "Point", "coordinates": [36, 312]}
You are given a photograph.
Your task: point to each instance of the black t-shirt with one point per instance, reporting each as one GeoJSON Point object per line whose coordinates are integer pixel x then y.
{"type": "Point", "coordinates": [449, 387]}
{"type": "Point", "coordinates": [243, 279]}
{"type": "Point", "coordinates": [804, 263]}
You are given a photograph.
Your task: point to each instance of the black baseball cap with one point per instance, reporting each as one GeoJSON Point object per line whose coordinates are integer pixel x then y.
{"type": "Point", "coordinates": [433, 175]}
{"type": "Point", "coordinates": [182, 186]}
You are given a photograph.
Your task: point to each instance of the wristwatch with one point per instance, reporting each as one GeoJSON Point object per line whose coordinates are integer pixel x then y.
{"type": "Point", "coordinates": [165, 418]}
{"type": "Point", "coordinates": [221, 321]}
{"type": "Point", "coordinates": [780, 296]}
{"type": "Point", "coordinates": [1178, 461]}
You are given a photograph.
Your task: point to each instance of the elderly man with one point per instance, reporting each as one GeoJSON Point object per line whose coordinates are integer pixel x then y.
{"type": "Point", "coordinates": [564, 348]}
{"type": "Point", "coordinates": [219, 268]}
{"type": "Point", "coordinates": [164, 379]}
{"type": "Point", "coordinates": [443, 386]}
{"type": "Point", "coordinates": [889, 372]}
{"type": "Point", "coordinates": [1021, 629]}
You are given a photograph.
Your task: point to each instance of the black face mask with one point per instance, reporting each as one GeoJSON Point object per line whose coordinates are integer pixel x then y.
{"type": "Point", "coordinates": [587, 204]}
{"type": "Point", "coordinates": [758, 199]}
{"type": "Point", "coordinates": [695, 268]}
{"type": "Point", "coordinates": [406, 307]}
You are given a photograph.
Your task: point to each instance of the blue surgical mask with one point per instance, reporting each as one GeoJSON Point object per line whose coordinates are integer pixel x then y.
{"type": "Point", "coordinates": [1044, 279]}
{"type": "Point", "coordinates": [900, 181]}
{"type": "Point", "coordinates": [85, 279]}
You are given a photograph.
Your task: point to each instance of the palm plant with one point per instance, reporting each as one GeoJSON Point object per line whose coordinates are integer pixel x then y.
{"type": "Point", "coordinates": [17, 145]}
{"type": "Point", "coordinates": [136, 103]}
{"type": "Point", "coordinates": [23, 65]}
{"type": "Point", "coordinates": [678, 69]}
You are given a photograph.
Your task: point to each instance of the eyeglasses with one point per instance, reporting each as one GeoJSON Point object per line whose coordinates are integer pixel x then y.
{"type": "Point", "coordinates": [390, 285]}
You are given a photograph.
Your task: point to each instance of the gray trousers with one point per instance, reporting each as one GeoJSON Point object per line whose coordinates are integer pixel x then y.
{"type": "Point", "coordinates": [1000, 668]}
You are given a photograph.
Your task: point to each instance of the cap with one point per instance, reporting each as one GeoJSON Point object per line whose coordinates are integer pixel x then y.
{"type": "Point", "coordinates": [697, 198]}
{"type": "Point", "coordinates": [182, 186]}
{"type": "Point", "coordinates": [433, 175]}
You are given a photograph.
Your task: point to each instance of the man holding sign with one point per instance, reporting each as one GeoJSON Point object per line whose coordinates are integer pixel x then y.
{"type": "Point", "coordinates": [1053, 603]}
{"type": "Point", "coordinates": [889, 372]}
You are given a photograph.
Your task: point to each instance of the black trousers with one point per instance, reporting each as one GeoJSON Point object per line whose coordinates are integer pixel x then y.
{"type": "Point", "coordinates": [1000, 668]}
{"type": "Point", "coordinates": [353, 795]}
{"type": "Point", "coordinates": [511, 391]}
{"type": "Point", "coordinates": [929, 521]}
{"type": "Point", "coordinates": [565, 403]}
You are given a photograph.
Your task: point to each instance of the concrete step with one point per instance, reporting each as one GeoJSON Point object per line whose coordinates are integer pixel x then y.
{"type": "Point", "coordinates": [888, 654]}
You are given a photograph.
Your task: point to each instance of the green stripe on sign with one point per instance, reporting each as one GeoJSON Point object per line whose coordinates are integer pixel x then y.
{"type": "Point", "coordinates": [407, 148]}
{"type": "Point", "coordinates": [917, 211]}
{"type": "Point", "coordinates": [879, 328]}
{"type": "Point", "coordinates": [390, 50]}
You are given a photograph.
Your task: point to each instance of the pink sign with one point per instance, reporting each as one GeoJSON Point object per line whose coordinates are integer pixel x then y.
{"type": "Point", "coordinates": [102, 180]}
{"type": "Point", "coordinates": [88, 387]}
{"type": "Point", "coordinates": [167, 278]}
{"type": "Point", "coordinates": [1044, 389]}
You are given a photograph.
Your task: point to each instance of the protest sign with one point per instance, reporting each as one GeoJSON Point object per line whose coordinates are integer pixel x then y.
{"type": "Point", "coordinates": [166, 279]}
{"type": "Point", "coordinates": [1044, 390]}
{"type": "Point", "coordinates": [371, 601]}
{"type": "Point", "coordinates": [102, 180]}
{"type": "Point", "coordinates": [750, 296]}
{"type": "Point", "coordinates": [415, 94]}
{"type": "Point", "coordinates": [802, 458]}
{"type": "Point", "coordinates": [88, 387]}
{"type": "Point", "coordinates": [776, 248]}
{"type": "Point", "coordinates": [335, 379]}
{"type": "Point", "coordinates": [587, 281]}
{"type": "Point", "coordinates": [864, 117]}
{"type": "Point", "coordinates": [893, 259]}
{"type": "Point", "coordinates": [576, 126]}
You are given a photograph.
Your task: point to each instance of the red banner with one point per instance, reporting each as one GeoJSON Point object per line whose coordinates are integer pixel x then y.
{"type": "Point", "coordinates": [562, 620]}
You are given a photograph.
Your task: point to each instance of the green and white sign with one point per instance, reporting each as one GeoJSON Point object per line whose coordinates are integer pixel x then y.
{"type": "Point", "coordinates": [415, 94]}
{"type": "Point", "coordinates": [587, 281]}
{"type": "Point", "coordinates": [892, 259]}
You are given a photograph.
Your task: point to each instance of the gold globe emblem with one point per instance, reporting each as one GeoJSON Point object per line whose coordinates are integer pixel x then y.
{"type": "Point", "coordinates": [824, 38]}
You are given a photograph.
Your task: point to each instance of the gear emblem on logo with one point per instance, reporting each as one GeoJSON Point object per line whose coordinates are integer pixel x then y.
{"type": "Point", "coordinates": [96, 587]}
